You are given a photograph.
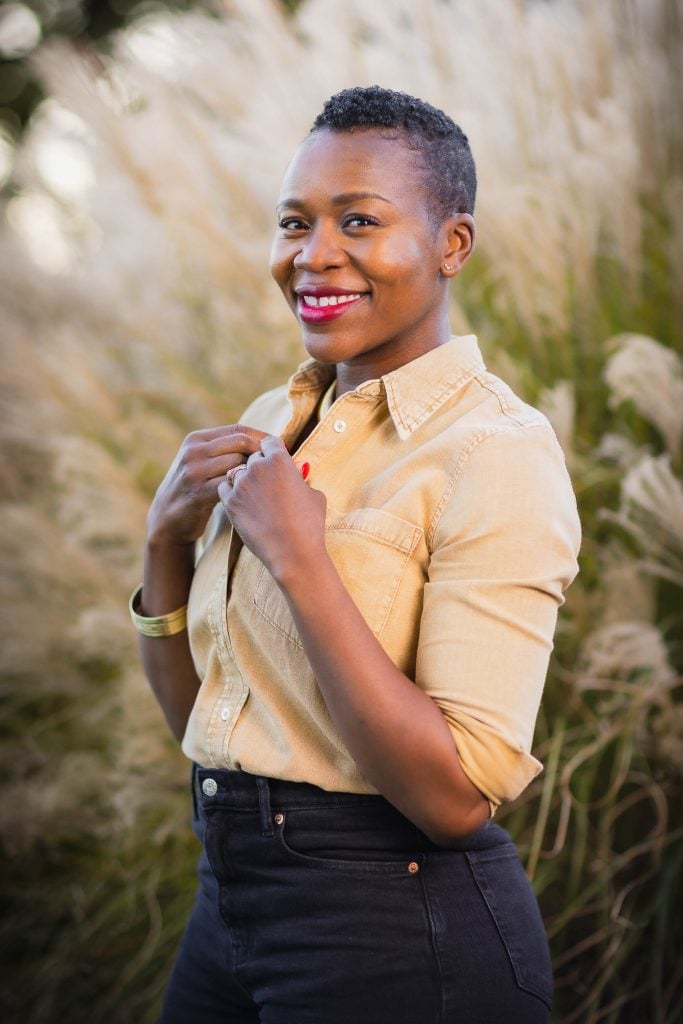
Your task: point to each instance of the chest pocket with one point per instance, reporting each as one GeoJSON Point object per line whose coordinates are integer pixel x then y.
{"type": "Point", "coordinates": [370, 550]}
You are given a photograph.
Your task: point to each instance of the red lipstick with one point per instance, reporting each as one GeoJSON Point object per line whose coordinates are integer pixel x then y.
{"type": "Point", "coordinates": [323, 314]}
{"type": "Point", "coordinates": [319, 303]}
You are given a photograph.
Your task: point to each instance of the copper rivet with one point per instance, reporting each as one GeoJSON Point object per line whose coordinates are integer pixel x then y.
{"type": "Point", "coordinates": [413, 867]}
{"type": "Point", "coordinates": [279, 818]}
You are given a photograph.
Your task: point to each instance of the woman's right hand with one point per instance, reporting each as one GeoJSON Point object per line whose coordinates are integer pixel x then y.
{"type": "Point", "coordinates": [189, 491]}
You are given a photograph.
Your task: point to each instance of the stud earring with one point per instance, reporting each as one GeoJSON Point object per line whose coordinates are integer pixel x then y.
{"type": "Point", "coordinates": [448, 266]}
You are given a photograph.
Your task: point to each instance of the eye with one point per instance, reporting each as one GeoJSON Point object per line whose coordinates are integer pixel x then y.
{"type": "Point", "coordinates": [358, 220]}
{"type": "Point", "coordinates": [292, 224]}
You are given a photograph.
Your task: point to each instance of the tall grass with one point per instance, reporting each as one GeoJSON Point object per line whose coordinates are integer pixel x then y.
{"type": "Point", "coordinates": [137, 305]}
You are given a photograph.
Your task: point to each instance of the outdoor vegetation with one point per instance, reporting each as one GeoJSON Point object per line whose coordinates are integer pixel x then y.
{"type": "Point", "coordinates": [135, 223]}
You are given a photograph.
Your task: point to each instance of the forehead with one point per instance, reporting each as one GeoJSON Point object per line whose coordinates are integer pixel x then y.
{"type": "Point", "coordinates": [331, 163]}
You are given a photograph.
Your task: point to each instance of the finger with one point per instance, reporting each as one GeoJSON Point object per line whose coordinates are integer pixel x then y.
{"type": "Point", "coordinates": [215, 469]}
{"type": "Point", "coordinates": [224, 492]}
{"type": "Point", "coordinates": [232, 475]}
{"type": "Point", "coordinates": [255, 457]}
{"type": "Point", "coordinates": [272, 445]}
{"type": "Point", "coordinates": [225, 434]}
{"type": "Point", "coordinates": [242, 441]}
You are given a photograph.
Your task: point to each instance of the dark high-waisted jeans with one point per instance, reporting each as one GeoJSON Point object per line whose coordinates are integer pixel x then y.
{"type": "Point", "coordinates": [332, 908]}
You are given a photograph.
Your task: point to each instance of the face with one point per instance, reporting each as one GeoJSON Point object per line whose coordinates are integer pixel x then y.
{"type": "Point", "coordinates": [356, 255]}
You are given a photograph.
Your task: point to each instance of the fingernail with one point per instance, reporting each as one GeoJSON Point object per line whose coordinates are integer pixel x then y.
{"type": "Point", "coordinates": [305, 469]}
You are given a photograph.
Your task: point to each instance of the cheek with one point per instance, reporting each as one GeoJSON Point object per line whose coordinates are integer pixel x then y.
{"type": "Point", "coordinates": [403, 264]}
{"type": "Point", "coordinates": [280, 263]}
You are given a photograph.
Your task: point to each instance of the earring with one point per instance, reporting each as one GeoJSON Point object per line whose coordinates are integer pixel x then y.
{"type": "Point", "coordinates": [447, 266]}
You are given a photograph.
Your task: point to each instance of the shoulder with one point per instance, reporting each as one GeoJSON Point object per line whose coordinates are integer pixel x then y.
{"type": "Point", "coordinates": [490, 429]}
{"type": "Point", "coordinates": [509, 474]}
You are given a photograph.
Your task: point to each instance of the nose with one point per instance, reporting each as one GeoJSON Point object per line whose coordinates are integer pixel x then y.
{"type": "Point", "coordinates": [320, 249]}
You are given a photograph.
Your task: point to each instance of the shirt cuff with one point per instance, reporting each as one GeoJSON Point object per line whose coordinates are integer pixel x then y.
{"type": "Point", "coordinates": [499, 770]}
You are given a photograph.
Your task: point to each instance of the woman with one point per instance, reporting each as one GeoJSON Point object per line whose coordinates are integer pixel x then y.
{"type": "Point", "coordinates": [370, 619]}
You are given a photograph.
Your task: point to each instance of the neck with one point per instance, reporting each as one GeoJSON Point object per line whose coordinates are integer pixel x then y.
{"type": "Point", "coordinates": [381, 361]}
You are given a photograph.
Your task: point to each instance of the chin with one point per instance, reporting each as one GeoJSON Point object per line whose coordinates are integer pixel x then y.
{"type": "Point", "coordinates": [326, 349]}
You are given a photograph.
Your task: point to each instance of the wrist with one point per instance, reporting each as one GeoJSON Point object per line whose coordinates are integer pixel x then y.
{"type": "Point", "coordinates": [294, 573]}
{"type": "Point", "coordinates": [168, 624]}
{"type": "Point", "coordinates": [159, 542]}
{"type": "Point", "coordinates": [168, 573]}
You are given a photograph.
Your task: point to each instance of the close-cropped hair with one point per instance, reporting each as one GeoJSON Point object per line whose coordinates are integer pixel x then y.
{"type": "Point", "coordinates": [448, 166]}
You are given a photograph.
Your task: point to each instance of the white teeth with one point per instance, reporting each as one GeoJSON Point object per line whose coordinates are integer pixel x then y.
{"type": "Point", "coordinates": [328, 300]}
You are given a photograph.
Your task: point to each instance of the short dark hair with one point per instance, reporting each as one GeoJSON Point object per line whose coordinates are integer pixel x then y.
{"type": "Point", "coordinates": [450, 174]}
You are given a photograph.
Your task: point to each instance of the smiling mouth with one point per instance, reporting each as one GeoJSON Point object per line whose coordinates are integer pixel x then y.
{"type": "Point", "coordinates": [316, 301]}
{"type": "Point", "coordinates": [321, 309]}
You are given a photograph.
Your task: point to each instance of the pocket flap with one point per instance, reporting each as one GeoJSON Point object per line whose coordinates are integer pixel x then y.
{"type": "Point", "coordinates": [373, 522]}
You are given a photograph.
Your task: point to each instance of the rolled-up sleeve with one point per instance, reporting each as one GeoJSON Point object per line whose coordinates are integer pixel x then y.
{"type": "Point", "coordinates": [503, 549]}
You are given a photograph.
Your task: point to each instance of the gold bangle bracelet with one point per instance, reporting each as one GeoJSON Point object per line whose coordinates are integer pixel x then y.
{"type": "Point", "coordinates": [156, 625]}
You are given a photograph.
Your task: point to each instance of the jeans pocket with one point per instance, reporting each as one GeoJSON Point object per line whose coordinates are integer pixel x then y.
{"type": "Point", "coordinates": [507, 892]}
{"type": "Point", "coordinates": [357, 841]}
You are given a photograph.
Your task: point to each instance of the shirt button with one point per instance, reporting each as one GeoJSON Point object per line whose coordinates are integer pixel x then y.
{"type": "Point", "coordinates": [413, 867]}
{"type": "Point", "coordinates": [279, 818]}
{"type": "Point", "coordinates": [224, 714]}
{"type": "Point", "coordinates": [209, 787]}
{"type": "Point", "coordinates": [339, 426]}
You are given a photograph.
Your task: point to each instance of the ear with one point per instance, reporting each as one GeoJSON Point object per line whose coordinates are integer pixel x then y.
{"type": "Point", "coordinates": [460, 237]}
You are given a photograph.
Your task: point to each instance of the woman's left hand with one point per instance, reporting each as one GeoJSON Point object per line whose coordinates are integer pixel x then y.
{"type": "Point", "coordinates": [279, 517]}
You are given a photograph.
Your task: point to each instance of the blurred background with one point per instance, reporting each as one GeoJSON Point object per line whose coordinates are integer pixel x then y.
{"type": "Point", "coordinates": [141, 146]}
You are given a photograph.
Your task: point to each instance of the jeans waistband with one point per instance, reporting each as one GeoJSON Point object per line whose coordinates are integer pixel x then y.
{"type": "Point", "coordinates": [232, 790]}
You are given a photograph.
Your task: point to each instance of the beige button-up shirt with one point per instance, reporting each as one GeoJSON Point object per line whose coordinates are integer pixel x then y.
{"type": "Point", "coordinates": [453, 525]}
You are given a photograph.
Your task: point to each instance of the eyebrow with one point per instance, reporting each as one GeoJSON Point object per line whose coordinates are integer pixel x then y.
{"type": "Point", "coordinates": [341, 200]}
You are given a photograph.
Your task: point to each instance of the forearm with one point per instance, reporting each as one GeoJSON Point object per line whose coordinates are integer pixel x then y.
{"type": "Point", "coordinates": [167, 661]}
{"type": "Point", "coordinates": [395, 732]}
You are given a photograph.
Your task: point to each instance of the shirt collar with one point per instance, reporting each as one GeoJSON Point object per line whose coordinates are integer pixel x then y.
{"type": "Point", "coordinates": [416, 390]}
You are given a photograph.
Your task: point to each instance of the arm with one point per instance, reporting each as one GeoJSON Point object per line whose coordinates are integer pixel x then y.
{"type": "Point", "coordinates": [395, 732]}
{"type": "Point", "coordinates": [503, 549]}
{"type": "Point", "coordinates": [176, 520]}
{"type": "Point", "coordinates": [397, 735]}
{"type": "Point", "coordinates": [503, 546]}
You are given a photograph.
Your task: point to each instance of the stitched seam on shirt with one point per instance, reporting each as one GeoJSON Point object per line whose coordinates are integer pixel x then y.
{"type": "Point", "coordinates": [464, 455]}
{"type": "Point", "coordinates": [490, 384]}
{"type": "Point", "coordinates": [230, 686]}
{"type": "Point", "coordinates": [283, 632]}
{"type": "Point", "coordinates": [390, 605]}
{"type": "Point", "coordinates": [213, 626]}
{"type": "Point", "coordinates": [403, 548]}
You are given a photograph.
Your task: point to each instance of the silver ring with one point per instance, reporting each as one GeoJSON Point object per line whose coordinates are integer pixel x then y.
{"type": "Point", "coordinates": [232, 473]}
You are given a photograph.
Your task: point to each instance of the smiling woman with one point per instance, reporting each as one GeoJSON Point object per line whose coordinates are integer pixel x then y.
{"type": "Point", "coordinates": [364, 224]}
{"type": "Point", "coordinates": [384, 545]}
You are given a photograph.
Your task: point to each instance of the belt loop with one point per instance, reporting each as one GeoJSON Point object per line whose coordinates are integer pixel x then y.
{"type": "Point", "coordinates": [264, 806]}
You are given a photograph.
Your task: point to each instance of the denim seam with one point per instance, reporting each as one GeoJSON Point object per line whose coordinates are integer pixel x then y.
{"type": "Point", "coordinates": [294, 640]}
{"type": "Point", "coordinates": [453, 479]}
{"type": "Point", "coordinates": [394, 592]}
{"type": "Point", "coordinates": [504, 935]}
{"type": "Point", "coordinates": [432, 937]}
{"type": "Point", "coordinates": [463, 456]}
{"type": "Point", "coordinates": [406, 549]}
{"type": "Point", "coordinates": [253, 808]}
